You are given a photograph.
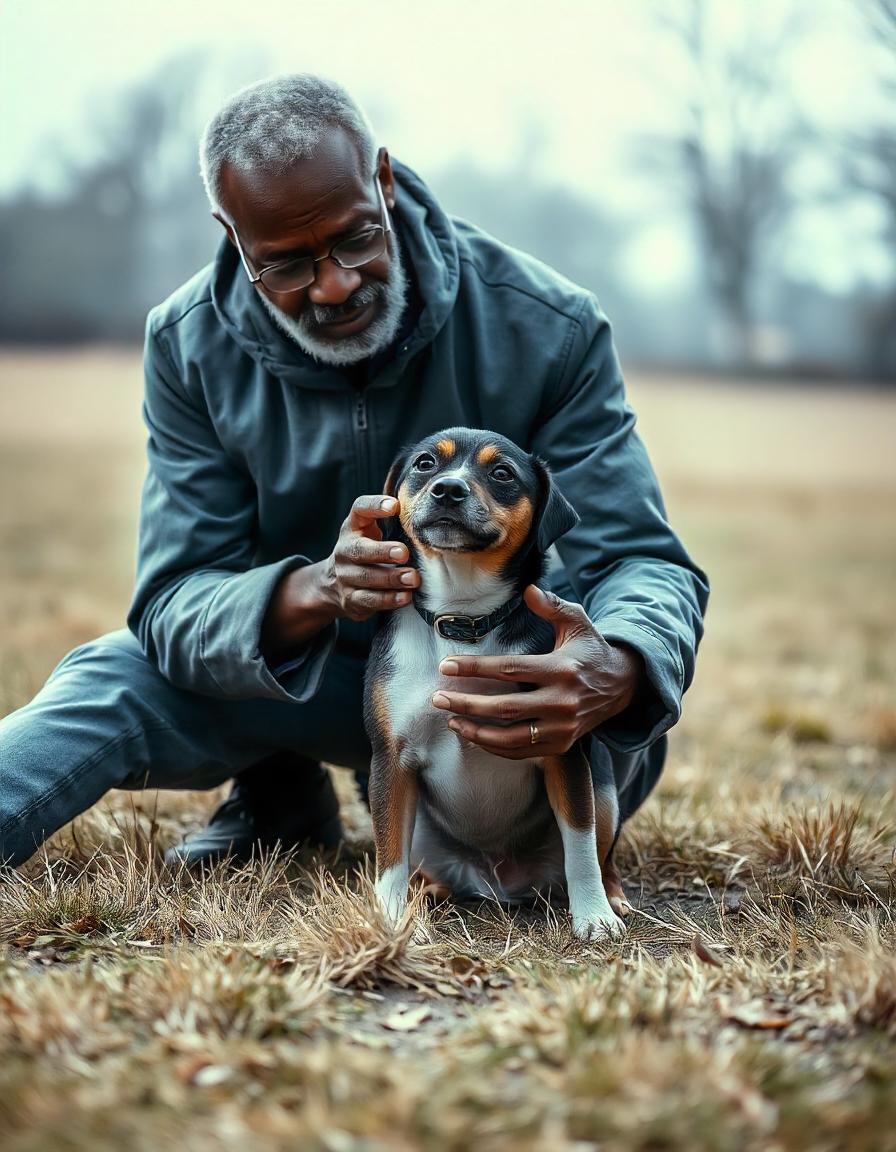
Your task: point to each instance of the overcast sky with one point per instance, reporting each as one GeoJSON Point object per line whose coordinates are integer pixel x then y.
{"type": "Point", "coordinates": [446, 80]}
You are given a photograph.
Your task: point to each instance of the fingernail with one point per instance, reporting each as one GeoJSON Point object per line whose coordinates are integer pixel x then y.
{"type": "Point", "coordinates": [448, 667]}
{"type": "Point", "coordinates": [397, 553]}
{"type": "Point", "coordinates": [440, 700]}
{"type": "Point", "coordinates": [408, 577]}
{"type": "Point", "coordinates": [387, 504]}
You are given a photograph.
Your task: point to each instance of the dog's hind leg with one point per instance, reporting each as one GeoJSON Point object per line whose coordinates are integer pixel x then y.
{"type": "Point", "coordinates": [608, 824]}
{"type": "Point", "coordinates": [393, 808]}
{"type": "Point", "coordinates": [571, 795]}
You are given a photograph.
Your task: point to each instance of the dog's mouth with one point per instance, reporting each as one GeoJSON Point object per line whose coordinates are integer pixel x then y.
{"type": "Point", "coordinates": [454, 533]}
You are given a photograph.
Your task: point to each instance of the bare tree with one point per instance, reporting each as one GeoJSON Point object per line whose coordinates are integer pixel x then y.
{"type": "Point", "coordinates": [868, 167]}
{"type": "Point", "coordinates": [732, 158]}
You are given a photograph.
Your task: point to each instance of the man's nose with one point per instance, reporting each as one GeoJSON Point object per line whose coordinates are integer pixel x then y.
{"type": "Point", "coordinates": [450, 490]}
{"type": "Point", "coordinates": [332, 284]}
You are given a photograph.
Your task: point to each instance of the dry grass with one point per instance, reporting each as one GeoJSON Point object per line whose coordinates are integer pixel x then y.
{"type": "Point", "coordinates": [752, 1004]}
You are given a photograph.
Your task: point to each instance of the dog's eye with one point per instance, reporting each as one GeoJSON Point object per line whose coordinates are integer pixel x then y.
{"type": "Point", "coordinates": [424, 463]}
{"type": "Point", "coordinates": [502, 472]}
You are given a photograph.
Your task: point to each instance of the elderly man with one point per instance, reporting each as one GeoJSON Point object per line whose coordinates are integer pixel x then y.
{"type": "Point", "coordinates": [345, 314]}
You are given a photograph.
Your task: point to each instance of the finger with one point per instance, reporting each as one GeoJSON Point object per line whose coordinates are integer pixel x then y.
{"type": "Point", "coordinates": [513, 708]}
{"type": "Point", "coordinates": [371, 576]}
{"type": "Point", "coordinates": [530, 669]}
{"type": "Point", "coordinates": [514, 742]}
{"type": "Point", "coordinates": [362, 550]}
{"type": "Point", "coordinates": [367, 509]}
{"type": "Point", "coordinates": [552, 607]}
{"type": "Point", "coordinates": [369, 600]}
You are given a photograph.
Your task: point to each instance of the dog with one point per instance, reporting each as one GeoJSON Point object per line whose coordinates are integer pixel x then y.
{"type": "Point", "coordinates": [478, 515]}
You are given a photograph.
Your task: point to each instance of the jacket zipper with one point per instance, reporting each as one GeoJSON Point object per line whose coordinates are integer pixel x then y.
{"type": "Point", "coordinates": [361, 411]}
{"type": "Point", "coordinates": [360, 425]}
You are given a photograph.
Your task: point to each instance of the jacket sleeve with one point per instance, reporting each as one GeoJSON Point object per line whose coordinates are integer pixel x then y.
{"type": "Point", "coordinates": [623, 561]}
{"type": "Point", "coordinates": [199, 603]}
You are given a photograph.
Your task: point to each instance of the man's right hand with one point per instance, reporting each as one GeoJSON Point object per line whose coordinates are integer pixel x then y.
{"type": "Point", "coordinates": [358, 579]}
{"type": "Point", "coordinates": [362, 575]}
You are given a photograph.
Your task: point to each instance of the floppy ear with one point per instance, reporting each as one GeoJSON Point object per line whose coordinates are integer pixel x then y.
{"type": "Point", "coordinates": [390, 487]}
{"type": "Point", "coordinates": [391, 525]}
{"type": "Point", "coordinates": [555, 514]}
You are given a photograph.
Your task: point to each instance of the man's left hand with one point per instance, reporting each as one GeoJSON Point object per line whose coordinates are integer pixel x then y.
{"type": "Point", "coordinates": [583, 682]}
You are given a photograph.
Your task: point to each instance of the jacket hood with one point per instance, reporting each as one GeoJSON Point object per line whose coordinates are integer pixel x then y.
{"type": "Point", "coordinates": [428, 241]}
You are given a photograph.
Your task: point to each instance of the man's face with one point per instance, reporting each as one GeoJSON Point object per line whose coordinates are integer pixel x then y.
{"type": "Point", "coordinates": [345, 314]}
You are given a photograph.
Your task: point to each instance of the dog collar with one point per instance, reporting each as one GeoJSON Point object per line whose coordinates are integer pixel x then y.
{"type": "Point", "coordinates": [451, 626]}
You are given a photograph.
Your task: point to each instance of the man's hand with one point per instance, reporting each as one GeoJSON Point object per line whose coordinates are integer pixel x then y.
{"type": "Point", "coordinates": [361, 576]}
{"type": "Point", "coordinates": [351, 582]}
{"type": "Point", "coordinates": [582, 683]}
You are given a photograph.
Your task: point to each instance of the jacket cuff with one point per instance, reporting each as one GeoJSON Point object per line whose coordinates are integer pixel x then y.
{"type": "Point", "coordinates": [658, 705]}
{"type": "Point", "coordinates": [230, 639]}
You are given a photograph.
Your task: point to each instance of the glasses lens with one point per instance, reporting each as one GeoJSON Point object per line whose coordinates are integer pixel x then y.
{"type": "Point", "coordinates": [290, 276]}
{"type": "Point", "coordinates": [362, 248]}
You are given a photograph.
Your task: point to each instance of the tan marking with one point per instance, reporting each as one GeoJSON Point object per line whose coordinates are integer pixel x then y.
{"type": "Point", "coordinates": [393, 800]}
{"type": "Point", "coordinates": [606, 826]}
{"type": "Point", "coordinates": [404, 515]}
{"type": "Point", "coordinates": [486, 454]}
{"type": "Point", "coordinates": [446, 447]}
{"type": "Point", "coordinates": [569, 790]}
{"type": "Point", "coordinates": [380, 704]}
{"type": "Point", "coordinates": [435, 889]}
{"type": "Point", "coordinates": [514, 524]}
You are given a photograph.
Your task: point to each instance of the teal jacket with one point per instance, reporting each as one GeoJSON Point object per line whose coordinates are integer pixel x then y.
{"type": "Point", "coordinates": [256, 452]}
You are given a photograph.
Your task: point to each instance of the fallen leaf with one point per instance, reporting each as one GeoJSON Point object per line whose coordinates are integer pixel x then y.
{"type": "Point", "coordinates": [407, 1021]}
{"type": "Point", "coordinates": [212, 1074]}
{"type": "Point", "coordinates": [758, 1014]}
{"type": "Point", "coordinates": [85, 925]}
{"type": "Point", "coordinates": [705, 953]}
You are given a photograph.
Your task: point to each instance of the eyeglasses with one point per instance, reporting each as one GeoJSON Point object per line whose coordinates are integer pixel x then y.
{"type": "Point", "coordinates": [297, 273]}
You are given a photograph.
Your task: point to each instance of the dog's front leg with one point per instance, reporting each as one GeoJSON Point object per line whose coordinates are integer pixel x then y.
{"type": "Point", "coordinates": [393, 808]}
{"type": "Point", "coordinates": [571, 795]}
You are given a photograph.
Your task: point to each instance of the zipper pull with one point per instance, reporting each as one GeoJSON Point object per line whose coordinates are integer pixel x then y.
{"type": "Point", "coordinates": [361, 412]}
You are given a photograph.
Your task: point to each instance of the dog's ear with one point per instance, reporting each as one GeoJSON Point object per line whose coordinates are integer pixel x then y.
{"type": "Point", "coordinates": [555, 515]}
{"type": "Point", "coordinates": [390, 487]}
{"type": "Point", "coordinates": [390, 526]}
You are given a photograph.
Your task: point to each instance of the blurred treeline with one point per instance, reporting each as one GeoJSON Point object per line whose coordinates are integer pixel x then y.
{"type": "Point", "coordinates": [130, 224]}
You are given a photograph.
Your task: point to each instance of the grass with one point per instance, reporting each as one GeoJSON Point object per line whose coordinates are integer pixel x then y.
{"type": "Point", "coordinates": [752, 1004]}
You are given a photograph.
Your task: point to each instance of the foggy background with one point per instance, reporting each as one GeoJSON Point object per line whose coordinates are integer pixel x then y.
{"type": "Point", "coordinates": [721, 175]}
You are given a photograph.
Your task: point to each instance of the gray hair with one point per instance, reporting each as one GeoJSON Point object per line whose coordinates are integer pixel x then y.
{"type": "Point", "coordinates": [278, 121]}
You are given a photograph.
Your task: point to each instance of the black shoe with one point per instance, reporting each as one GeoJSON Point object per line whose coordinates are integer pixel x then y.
{"type": "Point", "coordinates": [286, 799]}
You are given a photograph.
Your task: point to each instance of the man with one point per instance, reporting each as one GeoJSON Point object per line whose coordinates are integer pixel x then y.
{"type": "Point", "coordinates": [345, 314]}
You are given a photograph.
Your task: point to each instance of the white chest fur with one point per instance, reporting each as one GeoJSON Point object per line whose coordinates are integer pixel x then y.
{"type": "Point", "coordinates": [479, 796]}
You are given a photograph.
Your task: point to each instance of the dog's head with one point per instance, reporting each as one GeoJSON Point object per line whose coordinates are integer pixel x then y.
{"type": "Point", "coordinates": [466, 490]}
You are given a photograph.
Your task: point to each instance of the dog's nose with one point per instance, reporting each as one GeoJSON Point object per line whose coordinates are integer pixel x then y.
{"type": "Point", "coordinates": [450, 490]}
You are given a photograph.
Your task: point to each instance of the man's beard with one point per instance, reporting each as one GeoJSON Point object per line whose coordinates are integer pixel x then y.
{"type": "Point", "coordinates": [389, 296]}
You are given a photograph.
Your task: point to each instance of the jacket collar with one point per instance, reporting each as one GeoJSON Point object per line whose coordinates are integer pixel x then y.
{"type": "Point", "coordinates": [428, 241]}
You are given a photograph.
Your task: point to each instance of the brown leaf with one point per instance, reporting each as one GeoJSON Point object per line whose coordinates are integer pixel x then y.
{"type": "Point", "coordinates": [758, 1014]}
{"type": "Point", "coordinates": [705, 953]}
{"type": "Point", "coordinates": [85, 925]}
{"type": "Point", "coordinates": [407, 1021]}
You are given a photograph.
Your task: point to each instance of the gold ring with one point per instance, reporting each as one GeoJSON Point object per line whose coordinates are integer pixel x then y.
{"type": "Point", "coordinates": [533, 732]}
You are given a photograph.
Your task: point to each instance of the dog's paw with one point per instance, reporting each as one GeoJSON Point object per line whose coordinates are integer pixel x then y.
{"type": "Point", "coordinates": [393, 902]}
{"type": "Point", "coordinates": [620, 905]}
{"type": "Point", "coordinates": [601, 926]}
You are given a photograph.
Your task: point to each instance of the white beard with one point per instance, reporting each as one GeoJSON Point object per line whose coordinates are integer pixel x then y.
{"type": "Point", "coordinates": [379, 333]}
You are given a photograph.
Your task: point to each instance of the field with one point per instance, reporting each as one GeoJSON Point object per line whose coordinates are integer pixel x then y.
{"type": "Point", "coordinates": [752, 1004]}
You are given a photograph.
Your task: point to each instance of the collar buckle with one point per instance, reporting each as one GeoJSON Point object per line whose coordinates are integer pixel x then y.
{"type": "Point", "coordinates": [454, 627]}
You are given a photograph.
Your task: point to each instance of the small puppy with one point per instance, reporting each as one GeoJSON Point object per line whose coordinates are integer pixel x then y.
{"type": "Point", "coordinates": [478, 515]}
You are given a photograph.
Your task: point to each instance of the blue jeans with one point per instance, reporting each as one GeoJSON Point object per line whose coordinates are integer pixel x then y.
{"type": "Point", "coordinates": [106, 718]}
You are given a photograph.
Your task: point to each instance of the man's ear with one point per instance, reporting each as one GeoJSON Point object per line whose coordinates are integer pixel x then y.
{"type": "Point", "coordinates": [387, 180]}
{"type": "Point", "coordinates": [555, 514]}
{"type": "Point", "coordinates": [225, 226]}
